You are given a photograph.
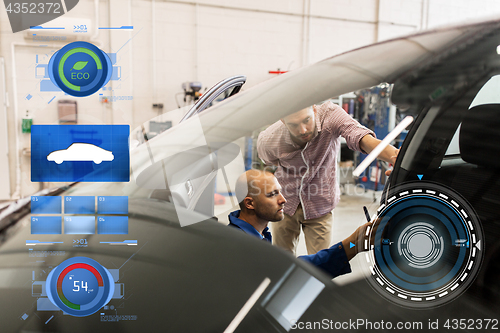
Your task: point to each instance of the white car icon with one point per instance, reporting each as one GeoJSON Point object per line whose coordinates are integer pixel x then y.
{"type": "Point", "coordinates": [81, 152]}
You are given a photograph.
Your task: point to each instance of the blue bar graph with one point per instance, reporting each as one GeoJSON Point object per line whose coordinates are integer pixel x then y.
{"type": "Point", "coordinates": [79, 225]}
{"type": "Point", "coordinates": [45, 205]}
{"type": "Point", "coordinates": [46, 225]}
{"type": "Point", "coordinates": [112, 225]}
{"type": "Point", "coordinates": [112, 205]}
{"type": "Point", "coordinates": [79, 205]}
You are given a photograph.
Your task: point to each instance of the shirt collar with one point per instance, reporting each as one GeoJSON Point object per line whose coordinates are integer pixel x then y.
{"type": "Point", "coordinates": [247, 227]}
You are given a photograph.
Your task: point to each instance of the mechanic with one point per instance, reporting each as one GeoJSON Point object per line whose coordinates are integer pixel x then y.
{"type": "Point", "coordinates": [304, 147]}
{"type": "Point", "coordinates": [260, 199]}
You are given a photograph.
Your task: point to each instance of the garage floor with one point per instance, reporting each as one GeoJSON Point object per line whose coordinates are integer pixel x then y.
{"type": "Point", "coordinates": [348, 215]}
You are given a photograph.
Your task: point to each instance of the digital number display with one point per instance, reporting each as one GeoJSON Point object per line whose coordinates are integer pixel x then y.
{"type": "Point", "coordinates": [80, 286]}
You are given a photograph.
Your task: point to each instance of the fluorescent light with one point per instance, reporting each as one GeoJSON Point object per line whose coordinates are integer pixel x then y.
{"type": "Point", "coordinates": [381, 146]}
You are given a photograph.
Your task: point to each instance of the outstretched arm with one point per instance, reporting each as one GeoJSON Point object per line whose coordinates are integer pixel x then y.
{"type": "Point", "coordinates": [335, 260]}
{"type": "Point", "coordinates": [389, 154]}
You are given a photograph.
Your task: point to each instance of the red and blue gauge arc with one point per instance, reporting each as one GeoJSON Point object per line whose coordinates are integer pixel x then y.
{"type": "Point", "coordinates": [80, 286]}
{"type": "Point", "coordinates": [69, 269]}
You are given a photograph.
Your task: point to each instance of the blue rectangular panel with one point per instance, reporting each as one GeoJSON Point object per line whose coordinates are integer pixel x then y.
{"type": "Point", "coordinates": [117, 73]}
{"type": "Point", "coordinates": [112, 205]}
{"type": "Point", "coordinates": [46, 225]}
{"type": "Point", "coordinates": [119, 291]}
{"type": "Point", "coordinates": [112, 225]}
{"type": "Point", "coordinates": [79, 205]}
{"type": "Point", "coordinates": [112, 57]}
{"type": "Point", "coordinates": [45, 205]}
{"type": "Point", "coordinates": [45, 304]}
{"type": "Point", "coordinates": [79, 225]}
{"type": "Point", "coordinates": [84, 153]}
{"type": "Point", "coordinates": [47, 85]}
{"type": "Point", "coordinates": [115, 273]}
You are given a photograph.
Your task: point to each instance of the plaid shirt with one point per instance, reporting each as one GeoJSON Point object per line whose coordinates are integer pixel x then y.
{"type": "Point", "coordinates": [308, 175]}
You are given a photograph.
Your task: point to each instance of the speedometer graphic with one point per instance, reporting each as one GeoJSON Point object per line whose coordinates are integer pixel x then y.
{"type": "Point", "coordinates": [427, 246]}
{"type": "Point", "coordinates": [80, 286]}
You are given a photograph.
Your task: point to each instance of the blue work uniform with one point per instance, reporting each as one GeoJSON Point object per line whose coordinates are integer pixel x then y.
{"type": "Point", "coordinates": [332, 260]}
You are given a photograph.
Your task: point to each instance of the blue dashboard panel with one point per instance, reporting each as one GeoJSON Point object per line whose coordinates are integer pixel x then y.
{"type": "Point", "coordinates": [112, 225]}
{"type": "Point", "coordinates": [83, 153]}
{"type": "Point", "coordinates": [112, 205]}
{"type": "Point", "coordinates": [79, 225]}
{"type": "Point", "coordinates": [46, 225]}
{"type": "Point", "coordinates": [79, 205]}
{"type": "Point", "coordinates": [45, 205]}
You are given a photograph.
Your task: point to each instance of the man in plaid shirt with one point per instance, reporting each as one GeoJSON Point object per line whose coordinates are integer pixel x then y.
{"type": "Point", "coordinates": [304, 147]}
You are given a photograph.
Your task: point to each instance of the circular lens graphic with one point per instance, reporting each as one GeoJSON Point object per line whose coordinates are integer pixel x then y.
{"type": "Point", "coordinates": [427, 246]}
{"type": "Point", "coordinates": [80, 286]}
{"type": "Point", "coordinates": [80, 69]}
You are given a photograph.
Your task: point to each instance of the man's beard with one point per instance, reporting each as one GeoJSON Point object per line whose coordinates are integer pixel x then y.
{"type": "Point", "coordinates": [308, 135]}
{"type": "Point", "coordinates": [276, 217]}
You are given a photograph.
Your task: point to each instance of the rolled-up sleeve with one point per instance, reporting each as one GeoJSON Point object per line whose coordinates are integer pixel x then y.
{"type": "Point", "coordinates": [342, 124]}
{"type": "Point", "coordinates": [332, 260]}
{"type": "Point", "coordinates": [266, 149]}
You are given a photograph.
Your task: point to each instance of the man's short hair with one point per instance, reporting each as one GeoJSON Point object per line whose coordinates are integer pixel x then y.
{"type": "Point", "coordinates": [245, 185]}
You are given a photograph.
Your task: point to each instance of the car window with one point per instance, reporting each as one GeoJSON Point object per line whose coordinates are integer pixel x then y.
{"type": "Point", "coordinates": [216, 94]}
{"type": "Point", "coordinates": [453, 148]}
{"type": "Point", "coordinates": [436, 143]}
{"type": "Point", "coordinates": [222, 96]}
{"type": "Point", "coordinates": [488, 94]}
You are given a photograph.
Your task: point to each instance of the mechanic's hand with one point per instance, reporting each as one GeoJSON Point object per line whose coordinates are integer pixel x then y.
{"type": "Point", "coordinates": [358, 238]}
{"type": "Point", "coordinates": [393, 161]}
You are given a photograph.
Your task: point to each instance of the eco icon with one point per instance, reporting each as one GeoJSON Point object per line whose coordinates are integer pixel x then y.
{"type": "Point", "coordinates": [80, 69]}
{"type": "Point", "coordinates": [79, 65]}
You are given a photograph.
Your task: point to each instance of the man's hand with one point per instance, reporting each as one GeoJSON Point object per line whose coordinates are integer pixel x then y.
{"type": "Point", "coordinates": [358, 238]}
{"type": "Point", "coordinates": [393, 161]}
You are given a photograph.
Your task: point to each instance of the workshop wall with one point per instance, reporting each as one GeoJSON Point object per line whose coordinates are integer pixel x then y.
{"type": "Point", "coordinates": [174, 41]}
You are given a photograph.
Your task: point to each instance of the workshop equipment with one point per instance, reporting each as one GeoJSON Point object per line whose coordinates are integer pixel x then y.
{"type": "Point", "coordinates": [373, 110]}
{"type": "Point", "coordinates": [191, 91]}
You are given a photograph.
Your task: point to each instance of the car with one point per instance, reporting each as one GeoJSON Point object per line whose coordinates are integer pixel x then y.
{"type": "Point", "coordinates": [189, 273]}
{"type": "Point", "coordinates": [81, 152]}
